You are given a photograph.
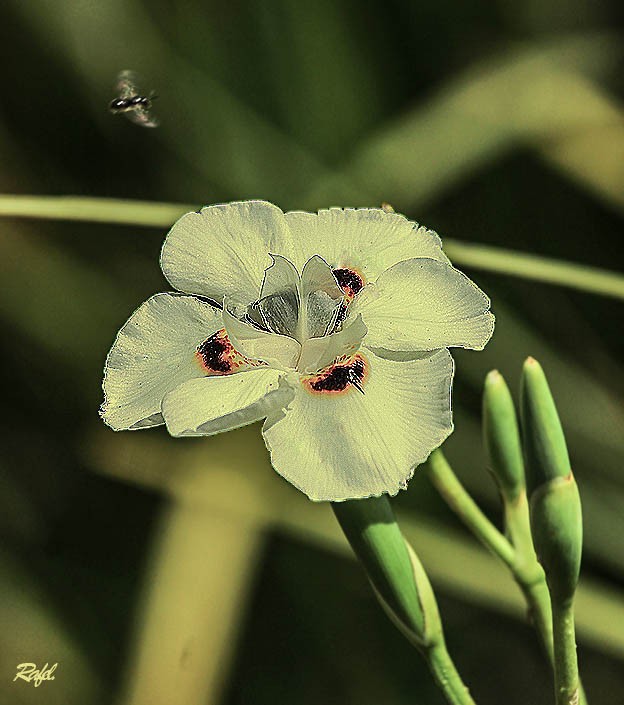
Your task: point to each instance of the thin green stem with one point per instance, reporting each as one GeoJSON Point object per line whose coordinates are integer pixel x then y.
{"type": "Point", "coordinates": [155, 214]}
{"type": "Point", "coordinates": [95, 210]}
{"type": "Point", "coordinates": [567, 684]}
{"type": "Point", "coordinates": [543, 269]}
{"type": "Point", "coordinates": [455, 495]}
{"type": "Point", "coordinates": [446, 676]}
{"type": "Point", "coordinates": [523, 564]}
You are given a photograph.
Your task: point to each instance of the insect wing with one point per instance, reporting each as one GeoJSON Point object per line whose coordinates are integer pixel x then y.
{"type": "Point", "coordinates": [126, 86]}
{"type": "Point", "coordinates": [141, 116]}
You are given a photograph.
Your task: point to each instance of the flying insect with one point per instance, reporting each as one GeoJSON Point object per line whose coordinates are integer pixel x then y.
{"type": "Point", "coordinates": [131, 103]}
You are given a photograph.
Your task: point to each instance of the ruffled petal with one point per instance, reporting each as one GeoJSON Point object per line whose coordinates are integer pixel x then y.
{"type": "Point", "coordinates": [256, 344]}
{"type": "Point", "coordinates": [337, 445]}
{"type": "Point", "coordinates": [203, 407]}
{"type": "Point", "coordinates": [421, 304]}
{"type": "Point", "coordinates": [154, 352]}
{"type": "Point", "coordinates": [223, 250]}
{"type": "Point", "coordinates": [368, 240]}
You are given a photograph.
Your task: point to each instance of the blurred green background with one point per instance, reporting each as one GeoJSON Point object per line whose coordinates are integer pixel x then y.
{"type": "Point", "coordinates": [156, 570]}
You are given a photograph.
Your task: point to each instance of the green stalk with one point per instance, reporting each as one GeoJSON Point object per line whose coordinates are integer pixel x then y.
{"type": "Point", "coordinates": [567, 685]}
{"type": "Point", "coordinates": [536, 268]}
{"type": "Point", "coordinates": [454, 494]}
{"type": "Point", "coordinates": [527, 572]}
{"type": "Point", "coordinates": [401, 585]}
{"type": "Point", "coordinates": [446, 676]}
{"type": "Point", "coordinates": [94, 210]}
{"type": "Point", "coordinates": [155, 214]}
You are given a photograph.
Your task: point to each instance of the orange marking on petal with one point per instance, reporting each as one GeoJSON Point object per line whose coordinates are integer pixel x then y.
{"type": "Point", "coordinates": [217, 355]}
{"type": "Point", "coordinates": [341, 377]}
{"type": "Point", "coordinates": [350, 281]}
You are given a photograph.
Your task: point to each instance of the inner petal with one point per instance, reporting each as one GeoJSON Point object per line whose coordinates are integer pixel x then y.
{"type": "Point", "coordinates": [317, 353]}
{"type": "Point", "coordinates": [277, 350]}
{"type": "Point", "coordinates": [322, 298]}
{"type": "Point", "coordinates": [279, 304]}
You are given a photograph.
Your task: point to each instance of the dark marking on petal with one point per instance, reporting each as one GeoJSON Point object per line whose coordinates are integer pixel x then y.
{"type": "Point", "coordinates": [217, 355]}
{"type": "Point", "coordinates": [339, 377]}
{"type": "Point", "coordinates": [349, 281]}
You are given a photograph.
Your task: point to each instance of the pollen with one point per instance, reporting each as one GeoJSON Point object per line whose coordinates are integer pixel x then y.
{"type": "Point", "coordinates": [350, 281]}
{"type": "Point", "coordinates": [339, 377]}
{"type": "Point", "coordinates": [217, 355]}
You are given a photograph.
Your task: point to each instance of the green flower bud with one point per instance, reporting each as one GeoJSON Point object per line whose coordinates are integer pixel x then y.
{"type": "Point", "coordinates": [502, 438]}
{"type": "Point", "coordinates": [396, 574]}
{"type": "Point", "coordinates": [555, 507]}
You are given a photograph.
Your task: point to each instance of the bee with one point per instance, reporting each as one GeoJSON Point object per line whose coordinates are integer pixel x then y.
{"type": "Point", "coordinates": [131, 103]}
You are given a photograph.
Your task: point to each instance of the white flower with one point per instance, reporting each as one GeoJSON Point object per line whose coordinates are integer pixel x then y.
{"type": "Point", "coordinates": [333, 326]}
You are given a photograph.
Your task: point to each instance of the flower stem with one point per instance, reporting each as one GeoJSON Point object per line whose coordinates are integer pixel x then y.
{"type": "Point", "coordinates": [521, 561]}
{"type": "Point", "coordinates": [455, 495]}
{"type": "Point", "coordinates": [446, 676]}
{"type": "Point", "coordinates": [156, 214]}
{"type": "Point", "coordinates": [401, 586]}
{"type": "Point", "coordinates": [95, 210]}
{"type": "Point", "coordinates": [536, 268]}
{"type": "Point", "coordinates": [567, 686]}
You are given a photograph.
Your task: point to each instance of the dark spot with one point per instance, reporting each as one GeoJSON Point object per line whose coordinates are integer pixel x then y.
{"type": "Point", "coordinates": [215, 353]}
{"type": "Point", "coordinates": [349, 280]}
{"type": "Point", "coordinates": [339, 376]}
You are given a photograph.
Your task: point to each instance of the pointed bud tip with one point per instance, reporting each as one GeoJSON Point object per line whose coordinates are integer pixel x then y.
{"type": "Point", "coordinates": [493, 377]}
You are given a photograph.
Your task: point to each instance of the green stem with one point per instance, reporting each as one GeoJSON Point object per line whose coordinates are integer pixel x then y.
{"type": "Point", "coordinates": [155, 214]}
{"type": "Point", "coordinates": [455, 495]}
{"type": "Point", "coordinates": [536, 268]}
{"type": "Point", "coordinates": [567, 684]}
{"type": "Point", "coordinates": [446, 676]}
{"type": "Point", "coordinates": [523, 564]}
{"type": "Point", "coordinates": [95, 210]}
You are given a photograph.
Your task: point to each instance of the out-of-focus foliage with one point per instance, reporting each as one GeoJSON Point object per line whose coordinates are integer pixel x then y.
{"type": "Point", "coordinates": [499, 123]}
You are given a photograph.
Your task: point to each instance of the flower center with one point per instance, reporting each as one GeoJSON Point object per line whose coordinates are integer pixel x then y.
{"type": "Point", "coordinates": [299, 320]}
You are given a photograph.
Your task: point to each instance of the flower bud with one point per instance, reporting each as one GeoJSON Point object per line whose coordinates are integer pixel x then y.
{"type": "Point", "coordinates": [554, 502]}
{"type": "Point", "coordinates": [396, 574]}
{"type": "Point", "coordinates": [502, 438]}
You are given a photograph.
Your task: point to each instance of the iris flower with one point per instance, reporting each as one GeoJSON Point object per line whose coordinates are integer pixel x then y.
{"type": "Point", "coordinates": [333, 326]}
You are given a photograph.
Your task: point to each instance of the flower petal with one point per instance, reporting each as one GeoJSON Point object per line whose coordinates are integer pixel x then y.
{"type": "Point", "coordinates": [280, 296]}
{"type": "Point", "coordinates": [317, 353]}
{"type": "Point", "coordinates": [421, 304]}
{"type": "Point", "coordinates": [257, 344]}
{"type": "Point", "coordinates": [202, 407]}
{"type": "Point", "coordinates": [321, 296]}
{"type": "Point", "coordinates": [153, 353]}
{"type": "Point", "coordinates": [347, 445]}
{"type": "Point", "coordinates": [367, 239]}
{"type": "Point", "coordinates": [223, 250]}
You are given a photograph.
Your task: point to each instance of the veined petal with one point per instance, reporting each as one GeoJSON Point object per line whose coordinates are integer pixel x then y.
{"type": "Point", "coordinates": [338, 445]}
{"type": "Point", "coordinates": [257, 344]}
{"type": "Point", "coordinates": [153, 353]}
{"type": "Point", "coordinates": [317, 353]}
{"type": "Point", "coordinates": [369, 240]}
{"type": "Point", "coordinates": [203, 407]}
{"type": "Point", "coordinates": [223, 250]}
{"type": "Point", "coordinates": [321, 297]}
{"type": "Point", "coordinates": [421, 304]}
{"type": "Point", "coordinates": [280, 296]}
